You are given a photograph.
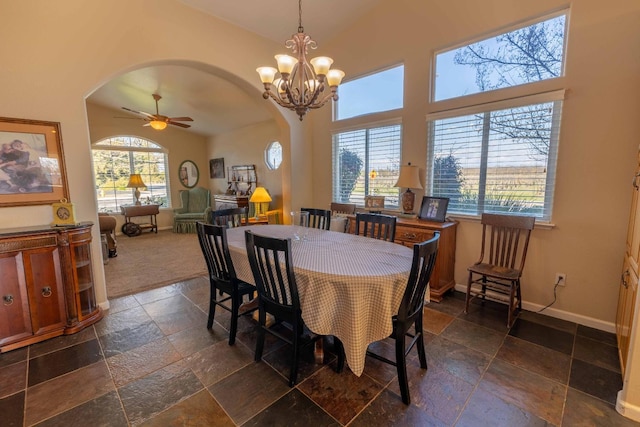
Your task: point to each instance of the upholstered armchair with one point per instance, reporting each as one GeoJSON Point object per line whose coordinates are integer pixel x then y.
{"type": "Point", "coordinates": [107, 225]}
{"type": "Point", "coordinates": [196, 205]}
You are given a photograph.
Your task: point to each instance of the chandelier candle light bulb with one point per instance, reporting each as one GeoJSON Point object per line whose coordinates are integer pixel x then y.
{"type": "Point", "coordinates": [301, 84]}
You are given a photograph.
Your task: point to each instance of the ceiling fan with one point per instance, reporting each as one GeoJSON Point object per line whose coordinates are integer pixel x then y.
{"type": "Point", "coordinates": [158, 121]}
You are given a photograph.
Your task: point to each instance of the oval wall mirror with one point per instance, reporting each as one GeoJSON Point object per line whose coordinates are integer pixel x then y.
{"type": "Point", "coordinates": [189, 174]}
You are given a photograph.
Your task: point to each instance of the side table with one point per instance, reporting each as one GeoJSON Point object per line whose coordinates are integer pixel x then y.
{"type": "Point", "coordinates": [131, 228]}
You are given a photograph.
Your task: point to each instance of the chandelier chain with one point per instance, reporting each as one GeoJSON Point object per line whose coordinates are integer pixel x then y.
{"type": "Point", "coordinates": [301, 84]}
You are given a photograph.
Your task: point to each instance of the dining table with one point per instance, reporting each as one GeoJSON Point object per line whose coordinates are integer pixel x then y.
{"type": "Point", "coordinates": [349, 286]}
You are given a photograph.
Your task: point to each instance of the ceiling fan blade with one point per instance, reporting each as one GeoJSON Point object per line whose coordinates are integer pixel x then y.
{"type": "Point", "coordinates": [181, 119]}
{"type": "Point", "coordinates": [139, 112]}
{"type": "Point", "coordinates": [182, 125]}
{"type": "Point", "coordinates": [130, 118]}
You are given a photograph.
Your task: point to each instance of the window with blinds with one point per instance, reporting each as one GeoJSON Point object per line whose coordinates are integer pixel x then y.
{"type": "Point", "coordinates": [499, 160]}
{"type": "Point", "coordinates": [366, 162]}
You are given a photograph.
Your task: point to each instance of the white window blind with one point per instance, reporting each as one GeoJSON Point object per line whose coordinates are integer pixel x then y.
{"type": "Point", "coordinates": [366, 162]}
{"type": "Point", "coordinates": [497, 160]}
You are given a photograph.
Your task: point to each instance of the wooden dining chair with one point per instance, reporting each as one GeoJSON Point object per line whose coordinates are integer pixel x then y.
{"type": "Point", "coordinates": [222, 275]}
{"type": "Point", "coordinates": [271, 265]}
{"type": "Point", "coordinates": [496, 275]}
{"type": "Point", "coordinates": [318, 218]}
{"type": "Point", "coordinates": [377, 226]}
{"type": "Point", "coordinates": [232, 217]}
{"type": "Point", "coordinates": [343, 208]}
{"type": "Point", "coordinates": [410, 313]}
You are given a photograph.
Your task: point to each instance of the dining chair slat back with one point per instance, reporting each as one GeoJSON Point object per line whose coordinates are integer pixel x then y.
{"type": "Point", "coordinates": [410, 313]}
{"type": "Point", "coordinates": [222, 275]}
{"type": "Point", "coordinates": [229, 218]}
{"type": "Point", "coordinates": [377, 226]}
{"type": "Point", "coordinates": [318, 218]}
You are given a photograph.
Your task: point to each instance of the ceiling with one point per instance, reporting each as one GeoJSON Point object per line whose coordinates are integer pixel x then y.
{"type": "Point", "coordinates": [216, 105]}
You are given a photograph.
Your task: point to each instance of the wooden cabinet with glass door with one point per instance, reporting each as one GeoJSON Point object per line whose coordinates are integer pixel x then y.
{"type": "Point", "coordinates": [46, 284]}
{"type": "Point", "coordinates": [83, 309]}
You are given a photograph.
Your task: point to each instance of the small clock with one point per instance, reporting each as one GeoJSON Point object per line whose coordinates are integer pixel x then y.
{"type": "Point", "coordinates": [64, 213]}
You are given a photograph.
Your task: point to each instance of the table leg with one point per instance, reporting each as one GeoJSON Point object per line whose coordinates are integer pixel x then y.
{"type": "Point", "coordinates": [319, 351]}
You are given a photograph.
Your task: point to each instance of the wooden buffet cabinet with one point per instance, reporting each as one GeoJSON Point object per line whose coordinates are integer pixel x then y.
{"type": "Point", "coordinates": [410, 231]}
{"type": "Point", "coordinates": [47, 285]}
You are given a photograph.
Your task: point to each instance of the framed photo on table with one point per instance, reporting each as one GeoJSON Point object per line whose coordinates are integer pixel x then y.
{"type": "Point", "coordinates": [32, 170]}
{"type": "Point", "coordinates": [374, 202]}
{"type": "Point", "coordinates": [434, 208]}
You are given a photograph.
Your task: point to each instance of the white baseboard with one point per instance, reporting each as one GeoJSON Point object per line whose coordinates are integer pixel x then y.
{"type": "Point", "coordinates": [561, 314]}
{"type": "Point", "coordinates": [104, 305]}
{"type": "Point", "coordinates": [626, 409]}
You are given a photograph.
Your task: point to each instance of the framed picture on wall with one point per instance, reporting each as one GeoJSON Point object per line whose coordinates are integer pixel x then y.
{"type": "Point", "coordinates": [216, 168]}
{"type": "Point", "coordinates": [32, 170]}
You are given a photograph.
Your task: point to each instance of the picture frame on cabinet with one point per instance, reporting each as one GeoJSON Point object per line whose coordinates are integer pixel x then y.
{"type": "Point", "coordinates": [32, 169]}
{"type": "Point", "coordinates": [374, 202]}
{"type": "Point", "coordinates": [434, 208]}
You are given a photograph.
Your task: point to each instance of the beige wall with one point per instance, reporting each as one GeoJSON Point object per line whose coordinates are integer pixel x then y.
{"type": "Point", "coordinates": [598, 143]}
{"type": "Point", "coordinates": [179, 146]}
{"type": "Point", "coordinates": [246, 147]}
{"type": "Point", "coordinates": [60, 52]}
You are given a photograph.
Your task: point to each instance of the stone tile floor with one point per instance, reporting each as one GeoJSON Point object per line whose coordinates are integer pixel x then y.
{"type": "Point", "coordinates": [152, 362]}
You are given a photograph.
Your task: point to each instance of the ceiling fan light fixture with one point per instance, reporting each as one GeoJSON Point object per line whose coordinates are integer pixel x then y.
{"type": "Point", "coordinates": [158, 124]}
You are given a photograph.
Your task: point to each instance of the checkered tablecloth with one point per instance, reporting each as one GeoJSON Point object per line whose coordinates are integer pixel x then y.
{"type": "Point", "coordinates": [350, 286]}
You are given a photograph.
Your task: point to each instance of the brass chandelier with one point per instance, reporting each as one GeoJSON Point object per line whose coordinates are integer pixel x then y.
{"type": "Point", "coordinates": [301, 84]}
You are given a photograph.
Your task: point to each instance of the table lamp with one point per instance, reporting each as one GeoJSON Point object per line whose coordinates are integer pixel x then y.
{"type": "Point", "coordinates": [260, 198]}
{"type": "Point", "coordinates": [135, 181]}
{"type": "Point", "coordinates": [409, 178]}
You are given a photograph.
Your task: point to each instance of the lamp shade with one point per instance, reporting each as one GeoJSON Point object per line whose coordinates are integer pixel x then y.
{"type": "Point", "coordinates": [260, 195]}
{"type": "Point", "coordinates": [409, 177]}
{"type": "Point", "coordinates": [135, 181]}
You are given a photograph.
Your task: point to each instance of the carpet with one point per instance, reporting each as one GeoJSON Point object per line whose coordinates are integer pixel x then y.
{"type": "Point", "coordinates": [152, 260]}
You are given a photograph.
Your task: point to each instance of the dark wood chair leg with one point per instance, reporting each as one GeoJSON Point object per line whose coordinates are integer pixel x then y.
{"type": "Point", "coordinates": [422, 356]}
{"type": "Point", "coordinates": [512, 295]}
{"type": "Point", "coordinates": [293, 374]}
{"type": "Point", "coordinates": [466, 301]}
{"type": "Point", "coordinates": [212, 308]}
{"type": "Point", "coordinates": [401, 366]}
{"type": "Point", "coordinates": [262, 318]}
{"type": "Point", "coordinates": [233, 328]}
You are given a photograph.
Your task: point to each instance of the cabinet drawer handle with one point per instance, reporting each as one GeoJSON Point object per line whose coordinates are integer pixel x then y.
{"type": "Point", "coordinates": [8, 299]}
{"type": "Point", "coordinates": [624, 279]}
{"type": "Point", "coordinates": [410, 235]}
{"type": "Point", "coordinates": [46, 291]}
{"type": "Point", "coordinates": [635, 181]}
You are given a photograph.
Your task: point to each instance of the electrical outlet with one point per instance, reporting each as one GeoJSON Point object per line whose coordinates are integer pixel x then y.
{"type": "Point", "coordinates": [561, 279]}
